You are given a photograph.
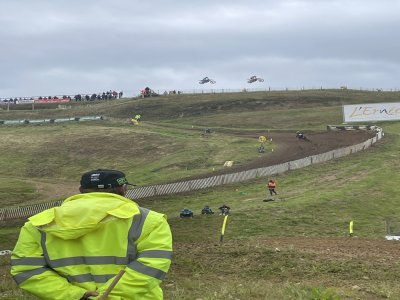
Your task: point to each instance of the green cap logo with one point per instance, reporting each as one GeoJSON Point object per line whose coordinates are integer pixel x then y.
{"type": "Point", "coordinates": [122, 181]}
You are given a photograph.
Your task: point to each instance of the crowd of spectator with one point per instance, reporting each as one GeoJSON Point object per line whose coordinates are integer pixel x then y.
{"type": "Point", "coordinates": [15, 100]}
{"type": "Point", "coordinates": [109, 95]}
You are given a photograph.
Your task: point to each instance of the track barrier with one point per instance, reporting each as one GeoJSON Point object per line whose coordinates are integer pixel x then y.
{"type": "Point", "coordinates": [51, 121]}
{"type": "Point", "coordinates": [197, 184]}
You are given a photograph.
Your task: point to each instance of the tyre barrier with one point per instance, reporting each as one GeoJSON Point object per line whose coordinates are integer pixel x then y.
{"type": "Point", "coordinates": [5, 252]}
{"type": "Point", "coordinates": [351, 127]}
{"type": "Point", "coordinates": [51, 121]}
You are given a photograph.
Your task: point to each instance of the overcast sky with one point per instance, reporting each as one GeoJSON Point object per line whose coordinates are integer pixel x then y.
{"type": "Point", "coordinates": [55, 47]}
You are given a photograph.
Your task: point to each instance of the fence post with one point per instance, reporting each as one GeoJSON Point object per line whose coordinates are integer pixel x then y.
{"type": "Point", "coordinates": [189, 185]}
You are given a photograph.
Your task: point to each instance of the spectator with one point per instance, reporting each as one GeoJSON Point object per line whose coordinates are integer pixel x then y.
{"type": "Point", "coordinates": [75, 250]}
{"type": "Point", "coordinates": [224, 210]}
{"type": "Point", "coordinates": [186, 213]}
{"type": "Point", "coordinates": [207, 210]}
{"type": "Point", "coordinates": [271, 187]}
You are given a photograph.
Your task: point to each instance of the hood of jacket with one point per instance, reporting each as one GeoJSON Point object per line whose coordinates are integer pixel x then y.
{"type": "Point", "coordinates": [83, 213]}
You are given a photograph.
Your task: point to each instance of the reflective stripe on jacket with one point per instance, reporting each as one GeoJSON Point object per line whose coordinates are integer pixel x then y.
{"type": "Point", "coordinates": [65, 251]}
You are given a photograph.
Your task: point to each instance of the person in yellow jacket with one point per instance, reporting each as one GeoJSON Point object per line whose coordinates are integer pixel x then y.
{"type": "Point", "coordinates": [135, 120]}
{"type": "Point", "coordinates": [74, 251]}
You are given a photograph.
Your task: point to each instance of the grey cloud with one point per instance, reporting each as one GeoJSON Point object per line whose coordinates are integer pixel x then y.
{"type": "Point", "coordinates": [68, 46]}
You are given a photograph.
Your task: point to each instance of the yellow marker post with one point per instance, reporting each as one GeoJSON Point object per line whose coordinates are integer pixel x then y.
{"type": "Point", "coordinates": [223, 228]}
{"type": "Point", "coordinates": [351, 228]}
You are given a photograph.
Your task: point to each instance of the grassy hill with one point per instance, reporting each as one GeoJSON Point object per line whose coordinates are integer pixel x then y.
{"type": "Point", "coordinates": [296, 248]}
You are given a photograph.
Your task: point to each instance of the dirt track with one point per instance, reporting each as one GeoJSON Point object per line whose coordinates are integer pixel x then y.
{"type": "Point", "coordinates": [290, 148]}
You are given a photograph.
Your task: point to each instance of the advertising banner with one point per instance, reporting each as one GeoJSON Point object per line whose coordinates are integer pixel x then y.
{"type": "Point", "coordinates": [371, 112]}
{"type": "Point", "coordinates": [24, 101]}
{"type": "Point", "coordinates": [52, 100]}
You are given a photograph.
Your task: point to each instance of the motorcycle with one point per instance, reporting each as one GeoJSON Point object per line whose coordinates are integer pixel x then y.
{"type": "Point", "coordinates": [301, 136]}
{"type": "Point", "coordinates": [207, 80]}
{"type": "Point", "coordinates": [254, 79]}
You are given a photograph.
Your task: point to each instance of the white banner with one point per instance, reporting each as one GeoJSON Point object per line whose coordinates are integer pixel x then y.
{"type": "Point", "coordinates": [371, 112]}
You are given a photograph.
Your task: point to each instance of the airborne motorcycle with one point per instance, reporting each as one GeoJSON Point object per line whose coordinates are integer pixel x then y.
{"type": "Point", "coordinates": [206, 80]}
{"type": "Point", "coordinates": [254, 79]}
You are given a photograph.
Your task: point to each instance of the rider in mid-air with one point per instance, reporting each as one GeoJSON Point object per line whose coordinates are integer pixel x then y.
{"type": "Point", "coordinates": [206, 80]}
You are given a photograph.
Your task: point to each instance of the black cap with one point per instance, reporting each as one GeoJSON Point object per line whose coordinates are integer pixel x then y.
{"type": "Point", "coordinates": [103, 179]}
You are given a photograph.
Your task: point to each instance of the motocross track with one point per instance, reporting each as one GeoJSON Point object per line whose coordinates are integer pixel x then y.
{"type": "Point", "coordinates": [287, 147]}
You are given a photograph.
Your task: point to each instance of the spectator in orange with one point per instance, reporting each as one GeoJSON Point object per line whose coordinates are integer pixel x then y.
{"type": "Point", "coordinates": [271, 187]}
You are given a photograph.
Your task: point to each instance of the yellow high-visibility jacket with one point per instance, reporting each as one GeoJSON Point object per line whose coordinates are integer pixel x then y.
{"type": "Point", "coordinates": [81, 246]}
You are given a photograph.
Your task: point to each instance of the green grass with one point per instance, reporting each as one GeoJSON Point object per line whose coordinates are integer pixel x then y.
{"type": "Point", "coordinates": [150, 155]}
{"type": "Point", "coordinates": [273, 119]}
{"type": "Point", "coordinates": [317, 201]}
{"type": "Point", "coordinates": [16, 191]}
{"type": "Point", "coordinates": [317, 198]}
